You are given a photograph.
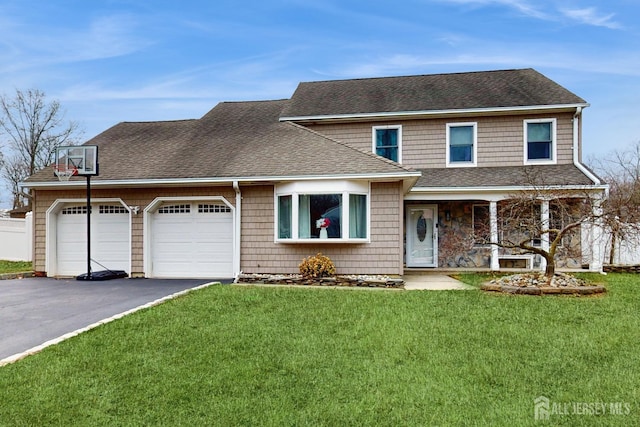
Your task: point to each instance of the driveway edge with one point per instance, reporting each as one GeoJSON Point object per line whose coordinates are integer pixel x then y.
{"type": "Point", "coordinates": [39, 348]}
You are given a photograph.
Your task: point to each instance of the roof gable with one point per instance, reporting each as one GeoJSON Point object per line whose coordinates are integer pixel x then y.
{"type": "Point", "coordinates": [235, 140]}
{"type": "Point", "coordinates": [424, 93]}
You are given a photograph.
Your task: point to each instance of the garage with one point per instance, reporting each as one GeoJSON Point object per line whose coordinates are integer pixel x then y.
{"type": "Point", "coordinates": [110, 238]}
{"type": "Point", "coordinates": [192, 239]}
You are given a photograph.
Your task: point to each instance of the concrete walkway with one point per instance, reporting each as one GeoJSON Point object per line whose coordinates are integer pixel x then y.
{"type": "Point", "coordinates": [432, 282]}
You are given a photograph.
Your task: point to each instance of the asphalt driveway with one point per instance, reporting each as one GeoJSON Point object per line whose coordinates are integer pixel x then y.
{"type": "Point", "coordinates": [36, 310]}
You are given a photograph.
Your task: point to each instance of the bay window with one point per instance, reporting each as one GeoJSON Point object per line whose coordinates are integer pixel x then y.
{"type": "Point", "coordinates": [335, 211]}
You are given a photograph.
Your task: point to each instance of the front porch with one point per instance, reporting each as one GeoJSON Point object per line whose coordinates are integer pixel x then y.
{"type": "Point", "coordinates": [457, 235]}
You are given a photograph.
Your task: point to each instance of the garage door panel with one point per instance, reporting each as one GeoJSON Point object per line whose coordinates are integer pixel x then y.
{"type": "Point", "coordinates": [192, 240]}
{"type": "Point", "coordinates": [110, 239]}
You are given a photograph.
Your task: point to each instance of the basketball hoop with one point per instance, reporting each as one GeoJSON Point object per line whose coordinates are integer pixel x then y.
{"type": "Point", "coordinates": [64, 172]}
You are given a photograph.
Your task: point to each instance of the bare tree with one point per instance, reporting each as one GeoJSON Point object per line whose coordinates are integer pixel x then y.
{"type": "Point", "coordinates": [545, 219]}
{"type": "Point", "coordinates": [545, 222]}
{"type": "Point", "coordinates": [621, 170]}
{"type": "Point", "coordinates": [32, 128]}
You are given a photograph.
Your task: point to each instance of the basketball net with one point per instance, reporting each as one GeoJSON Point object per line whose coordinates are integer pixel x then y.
{"type": "Point", "coordinates": [64, 172]}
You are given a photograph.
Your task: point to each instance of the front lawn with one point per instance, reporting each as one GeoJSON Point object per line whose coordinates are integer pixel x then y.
{"type": "Point", "coordinates": [230, 355]}
{"type": "Point", "coordinates": [14, 266]}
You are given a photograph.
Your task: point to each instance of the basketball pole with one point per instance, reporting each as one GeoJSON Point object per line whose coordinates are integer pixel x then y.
{"type": "Point", "coordinates": [88, 227]}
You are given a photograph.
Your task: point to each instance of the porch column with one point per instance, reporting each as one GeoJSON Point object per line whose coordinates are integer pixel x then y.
{"type": "Point", "coordinates": [597, 235]}
{"type": "Point", "coordinates": [493, 224]}
{"type": "Point", "coordinates": [544, 239]}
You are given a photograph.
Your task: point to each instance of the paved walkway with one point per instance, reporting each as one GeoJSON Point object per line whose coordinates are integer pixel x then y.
{"type": "Point", "coordinates": [432, 282]}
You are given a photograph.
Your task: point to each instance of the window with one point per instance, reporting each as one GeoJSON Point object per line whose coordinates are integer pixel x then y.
{"type": "Point", "coordinates": [481, 224]}
{"type": "Point", "coordinates": [307, 213]}
{"type": "Point", "coordinates": [210, 208]}
{"type": "Point", "coordinates": [540, 146]}
{"type": "Point", "coordinates": [175, 209]}
{"type": "Point", "coordinates": [112, 209]}
{"type": "Point", "coordinates": [387, 142]}
{"type": "Point", "coordinates": [461, 144]}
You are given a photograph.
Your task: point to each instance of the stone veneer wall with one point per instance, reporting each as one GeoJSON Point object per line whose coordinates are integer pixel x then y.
{"type": "Point", "coordinates": [456, 248]}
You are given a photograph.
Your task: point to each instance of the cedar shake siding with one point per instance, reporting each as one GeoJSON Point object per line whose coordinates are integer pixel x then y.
{"type": "Point", "coordinates": [500, 138]}
{"type": "Point", "coordinates": [383, 255]}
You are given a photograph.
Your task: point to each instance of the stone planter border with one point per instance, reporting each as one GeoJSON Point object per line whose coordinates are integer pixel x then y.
{"type": "Point", "coordinates": [346, 281]}
{"type": "Point", "coordinates": [544, 290]}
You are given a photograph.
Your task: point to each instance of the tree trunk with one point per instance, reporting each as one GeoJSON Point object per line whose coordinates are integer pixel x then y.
{"type": "Point", "coordinates": [612, 250]}
{"type": "Point", "coordinates": [550, 270]}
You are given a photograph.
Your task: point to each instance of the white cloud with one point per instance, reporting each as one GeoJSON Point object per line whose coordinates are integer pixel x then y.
{"type": "Point", "coordinates": [590, 16]}
{"type": "Point", "coordinates": [587, 16]}
{"type": "Point", "coordinates": [522, 6]}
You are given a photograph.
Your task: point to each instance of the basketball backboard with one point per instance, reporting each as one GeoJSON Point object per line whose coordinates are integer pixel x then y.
{"type": "Point", "coordinates": [80, 158]}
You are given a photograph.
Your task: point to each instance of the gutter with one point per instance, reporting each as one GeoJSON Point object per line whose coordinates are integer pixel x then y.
{"type": "Point", "coordinates": [161, 182]}
{"type": "Point", "coordinates": [421, 113]}
{"type": "Point", "coordinates": [237, 231]}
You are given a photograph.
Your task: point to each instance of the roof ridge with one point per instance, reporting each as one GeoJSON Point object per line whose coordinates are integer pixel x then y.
{"type": "Point", "coordinates": [254, 101]}
{"type": "Point", "coordinates": [344, 144]}
{"type": "Point", "coordinates": [158, 121]}
{"type": "Point", "coordinates": [420, 75]}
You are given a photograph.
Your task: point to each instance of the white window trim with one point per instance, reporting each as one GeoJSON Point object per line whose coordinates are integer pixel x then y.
{"type": "Point", "coordinates": [554, 143]}
{"type": "Point", "coordinates": [373, 138]}
{"type": "Point", "coordinates": [472, 163]}
{"type": "Point", "coordinates": [344, 188]}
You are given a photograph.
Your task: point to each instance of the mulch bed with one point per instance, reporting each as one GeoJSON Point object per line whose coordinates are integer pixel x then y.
{"type": "Point", "coordinates": [539, 284]}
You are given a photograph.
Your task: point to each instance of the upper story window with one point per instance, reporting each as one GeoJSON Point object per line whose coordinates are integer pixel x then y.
{"type": "Point", "coordinates": [461, 144]}
{"type": "Point", "coordinates": [387, 142]}
{"type": "Point", "coordinates": [335, 211]}
{"type": "Point", "coordinates": [540, 141]}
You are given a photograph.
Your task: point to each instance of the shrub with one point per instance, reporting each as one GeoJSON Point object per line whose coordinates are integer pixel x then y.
{"type": "Point", "coordinates": [317, 266]}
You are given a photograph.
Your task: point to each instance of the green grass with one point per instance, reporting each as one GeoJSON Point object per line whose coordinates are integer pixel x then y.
{"type": "Point", "coordinates": [15, 266]}
{"type": "Point", "coordinates": [288, 356]}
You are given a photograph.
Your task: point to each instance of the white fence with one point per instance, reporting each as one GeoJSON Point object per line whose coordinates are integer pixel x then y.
{"type": "Point", "coordinates": [627, 252]}
{"type": "Point", "coordinates": [16, 237]}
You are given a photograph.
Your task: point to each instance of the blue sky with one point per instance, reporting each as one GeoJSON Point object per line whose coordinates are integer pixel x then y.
{"type": "Point", "coordinates": [144, 60]}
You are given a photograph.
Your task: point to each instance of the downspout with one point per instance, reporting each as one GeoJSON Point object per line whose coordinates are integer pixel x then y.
{"type": "Point", "coordinates": [576, 146]}
{"type": "Point", "coordinates": [596, 231]}
{"type": "Point", "coordinates": [237, 229]}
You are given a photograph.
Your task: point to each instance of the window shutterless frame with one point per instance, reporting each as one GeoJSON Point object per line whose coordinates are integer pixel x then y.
{"type": "Point", "coordinates": [540, 141]}
{"type": "Point", "coordinates": [387, 142]}
{"type": "Point", "coordinates": [462, 144]}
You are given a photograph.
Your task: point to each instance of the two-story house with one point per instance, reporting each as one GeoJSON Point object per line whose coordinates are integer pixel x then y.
{"type": "Point", "coordinates": [375, 173]}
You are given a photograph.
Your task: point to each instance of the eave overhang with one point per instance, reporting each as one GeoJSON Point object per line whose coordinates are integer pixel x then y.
{"type": "Point", "coordinates": [406, 115]}
{"type": "Point", "coordinates": [497, 192]}
{"type": "Point", "coordinates": [409, 179]}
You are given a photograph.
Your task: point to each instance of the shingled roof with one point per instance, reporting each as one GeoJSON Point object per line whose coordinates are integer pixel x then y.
{"type": "Point", "coordinates": [423, 93]}
{"type": "Point", "coordinates": [503, 176]}
{"type": "Point", "coordinates": [233, 140]}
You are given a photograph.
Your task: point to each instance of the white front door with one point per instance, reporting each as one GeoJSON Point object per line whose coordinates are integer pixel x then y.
{"type": "Point", "coordinates": [422, 235]}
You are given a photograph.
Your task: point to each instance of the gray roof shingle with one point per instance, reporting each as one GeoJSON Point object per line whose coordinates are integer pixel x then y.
{"type": "Point", "coordinates": [233, 140]}
{"type": "Point", "coordinates": [434, 92]}
{"type": "Point", "coordinates": [504, 176]}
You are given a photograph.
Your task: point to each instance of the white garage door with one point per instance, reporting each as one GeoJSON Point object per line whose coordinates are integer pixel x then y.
{"type": "Point", "coordinates": [192, 240]}
{"type": "Point", "coordinates": [109, 239]}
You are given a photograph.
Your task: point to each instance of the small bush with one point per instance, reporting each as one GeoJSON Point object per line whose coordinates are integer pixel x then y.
{"type": "Point", "coordinates": [317, 266]}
